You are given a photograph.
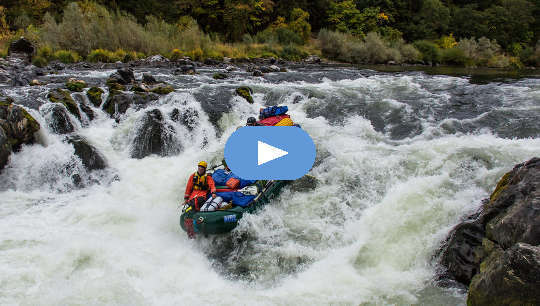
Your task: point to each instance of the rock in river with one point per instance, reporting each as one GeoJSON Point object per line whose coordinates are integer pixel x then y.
{"type": "Point", "coordinates": [154, 136]}
{"type": "Point", "coordinates": [496, 251]}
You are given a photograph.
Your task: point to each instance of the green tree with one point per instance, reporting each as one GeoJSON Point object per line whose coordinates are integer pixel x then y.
{"type": "Point", "coordinates": [299, 24]}
{"type": "Point", "coordinates": [511, 22]}
{"type": "Point", "coordinates": [431, 22]}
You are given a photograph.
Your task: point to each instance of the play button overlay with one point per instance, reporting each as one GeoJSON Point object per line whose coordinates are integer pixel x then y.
{"type": "Point", "coordinates": [266, 153]}
{"type": "Point", "coordinates": [270, 153]}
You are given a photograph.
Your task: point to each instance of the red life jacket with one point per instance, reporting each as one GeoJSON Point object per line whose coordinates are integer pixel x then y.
{"type": "Point", "coordinates": [271, 121]}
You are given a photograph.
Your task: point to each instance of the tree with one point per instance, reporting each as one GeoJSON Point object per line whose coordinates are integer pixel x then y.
{"type": "Point", "coordinates": [299, 24]}
{"type": "Point", "coordinates": [511, 22]}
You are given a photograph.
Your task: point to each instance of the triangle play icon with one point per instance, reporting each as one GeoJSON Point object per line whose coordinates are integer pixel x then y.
{"type": "Point", "coordinates": [266, 153]}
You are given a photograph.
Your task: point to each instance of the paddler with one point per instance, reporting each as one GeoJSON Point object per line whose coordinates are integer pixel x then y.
{"type": "Point", "coordinates": [198, 186]}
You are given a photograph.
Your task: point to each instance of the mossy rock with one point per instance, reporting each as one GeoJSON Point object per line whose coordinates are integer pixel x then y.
{"type": "Point", "coordinates": [245, 92]}
{"type": "Point", "coordinates": [95, 94]}
{"type": "Point", "coordinates": [163, 90]}
{"type": "Point", "coordinates": [76, 85]}
{"type": "Point", "coordinates": [220, 76]}
{"type": "Point", "coordinates": [501, 186]}
{"type": "Point", "coordinates": [114, 85]}
{"type": "Point", "coordinates": [139, 88]}
{"type": "Point", "coordinates": [64, 97]}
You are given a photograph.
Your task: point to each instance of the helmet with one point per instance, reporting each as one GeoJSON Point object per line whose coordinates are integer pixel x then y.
{"type": "Point", "coordinates": [203, 164]}
{"type": "Point", "coordinates": [251, 121]}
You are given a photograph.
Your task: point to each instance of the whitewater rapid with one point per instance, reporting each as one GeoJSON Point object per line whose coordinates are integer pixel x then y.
{"type": "Point", "coordinates": [401, 159]}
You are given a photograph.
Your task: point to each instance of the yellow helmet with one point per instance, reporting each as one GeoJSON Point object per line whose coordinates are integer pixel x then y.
{"type": "Point", "coordinates": [203, 164]}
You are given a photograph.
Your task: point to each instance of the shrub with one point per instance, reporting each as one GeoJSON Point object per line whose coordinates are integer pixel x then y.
{"type": "Point", "coordinates": [430, 51]}
{"type": "Point", "coordinates": [45, 52]}
{"type": "Point", "coordinates": [101, 56]}
{"type": "Point", "coordinates": [66, 56]}
{"type": "Point", "coordinates": [39, 61]}
{"type": "Point", "coordinates": [498, 61]}
{"type": "Point", "coordinates": [286, 37]}
{"type": "Point", "coordinates": [196, 54]}
{"type": "Point", "coordinates": [292, 53]}
{"type": "Point", "coordinates": [3, 53]}
{"type": "Point", "coordinates": [453, 56]}
{"type": "Point", "coordinates": [176, 54]}
{"type": "Point", "coordinates": [131, 56]}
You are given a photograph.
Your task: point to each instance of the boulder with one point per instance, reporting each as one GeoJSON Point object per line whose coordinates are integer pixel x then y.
{"type": "Point", "coordinates": [154, 136]}
{"type": "Point", "coordinates": [162, 89]}
{"type": "Point", "coordinates": [312, 59]}
{"type": "Point", "coordinates": [245, 92]}
{"type": "Point", "coordinates": [305, 183]}
{"type": "Point", "coordinates": [148, 79]}
{"type": "Point", "coordinates": [189, 69]}
{"type": "Point", "coordinates": [118, 102]}
{"type": "Point", "coordinates": [123, 76]}
{"type": "Point", "coordinates": [496, 250]}
{"type": "Point", "coordinates": [18, 125]}
{"type": "Point", "coordinates": [511, 277]}
{"type": "Point", "coordinates": [257, 73]}
{"type": "Point", "coordinates": [64, 97]}
{"type": "Point", "coordinates": [189, 118]}
{"type": "Point", "coordinates": [75, 85]}
{"type": "Point", "coordinates": [89, 155]}
{"type": "Point", "coordinates": [220, 76]}
{"type": "Point", "coordinates": [95, 94]}
{"type": "Point", "coordinates": [5, 149]}
{"type": "Point", "coordinates": [268, 69]}
{"type": "Point", "coordinates": [57, 118]}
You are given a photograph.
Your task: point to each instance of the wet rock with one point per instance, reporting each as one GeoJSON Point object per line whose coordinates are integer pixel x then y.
{"type": "Point", "coordinates": [75, 85]}
{"type": "Point", "coordinates": [57, 118]}
{"type": "Point", "coordinates": [122, 76]}
{"type": "Point", "coordinates": [220, 76]}
{"type": "Point", "coordinates": [511, 277]}
{"type": "Point", "coordinates": [17, 127]}
{"type": "Point", "coordinates": [189, 118]}
{"type": "Point", "coordinates": [245, 92]}
{"type": "Point", "coordinates": [64, 97]}
{"type": "Point", "coordinates": [162, 90]}
{"type": "Point", "coordinates": [312, 59]}
{"type": "Point", "coordinates": [23, 47]}
{"type": "Point", "coordinates": [58, 66]}
{"type": "Point", "coordinates": [148, 79]}
{"type": "Point", "coordinates": [268, 69]}
{"type": "Point", "coordinates": [186, 69]}
{"type": "Point", "coordinates": [35, 82]}
{"type": "Point", "coordinates": [465, 252]}
{"type": "Point", "coordinates": [484, 248]}
{"type": "Point", "coordinates": [89, 155]}
{"type": "Point", "coordinates": [5, 149]}
{"type": "Point", "coordinates": [88, 111]}
{"type": "Point", "coordinates": [257, 73]}
{"type": "Point", "coordinates": [283, 69]}
{"type": "Point", "coordinates": [95, 94]}
{"type": "Point", "coordinates": [305, 183]}
{"type": "Point", "coordinates": [82, 102]}
{"type": "Point", "coordinates": [211, 62]}
{"type": "Point", "coordinates": [118, 102]}
{"type": "Point", "coordinates": [154, 136]}
{"type": "Point", "coordinates": [215, 104]}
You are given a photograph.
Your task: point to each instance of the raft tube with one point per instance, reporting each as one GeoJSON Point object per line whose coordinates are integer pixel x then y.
{"type": "Point", "coordinates": [224, 221]}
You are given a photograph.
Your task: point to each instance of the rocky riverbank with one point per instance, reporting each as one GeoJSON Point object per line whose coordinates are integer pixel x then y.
{"type": "Point", "coordinates": [496, 251]}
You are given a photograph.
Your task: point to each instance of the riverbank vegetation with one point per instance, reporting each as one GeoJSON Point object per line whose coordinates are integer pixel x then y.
{"type": "Point", "coordinates": [498, 34]}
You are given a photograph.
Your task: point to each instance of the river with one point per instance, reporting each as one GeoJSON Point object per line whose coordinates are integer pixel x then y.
{"type": "Point", "coordinates": [402, 157]}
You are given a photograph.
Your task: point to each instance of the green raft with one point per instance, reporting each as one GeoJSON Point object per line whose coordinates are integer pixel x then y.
{"type": "Point", "coordinates": [223, 221]}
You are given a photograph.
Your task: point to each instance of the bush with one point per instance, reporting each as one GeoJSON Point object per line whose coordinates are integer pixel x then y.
{"type": "Point", "coordinates": [293, 53]}
{"type": "Point", "coordinates": [430, 51]}
{"type": "Point", "coordinates": [66, 56]}
{"type": "Point", "coordinates": [196, 54]}
{"type": "Point", "coordinates": [45, 52]}
{"type": "Point", "coordinates": [499, 61]}
{"type": "Point", "coordinates": [131, 56]}
{"type": "Point", "coordinates": [453, 56]}
{"type": "Point", "coordinates": [176, 54]}
{"type": "Point", "coordinates": [3, 53]}
{"type": "Point", "coordinates": [101, 56]}
{"type": "Point", "coordinates": [286, 37]}
{"type": "Point", "coordinates": [39, 61]}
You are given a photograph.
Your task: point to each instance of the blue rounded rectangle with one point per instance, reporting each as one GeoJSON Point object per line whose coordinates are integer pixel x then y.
{"type": "Point", "coordinates": [270, 153]}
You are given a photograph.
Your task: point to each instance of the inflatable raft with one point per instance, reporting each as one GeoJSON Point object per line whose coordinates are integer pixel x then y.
{"type": "Point", "coordinates": [223, 221]}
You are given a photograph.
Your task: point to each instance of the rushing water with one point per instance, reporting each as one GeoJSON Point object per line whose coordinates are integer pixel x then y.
{"type": "Point", "coordinates": [402, 157]}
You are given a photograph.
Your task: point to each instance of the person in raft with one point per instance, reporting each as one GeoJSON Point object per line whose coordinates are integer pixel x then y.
{"type": "Point", "coordinates": [198, 186]}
